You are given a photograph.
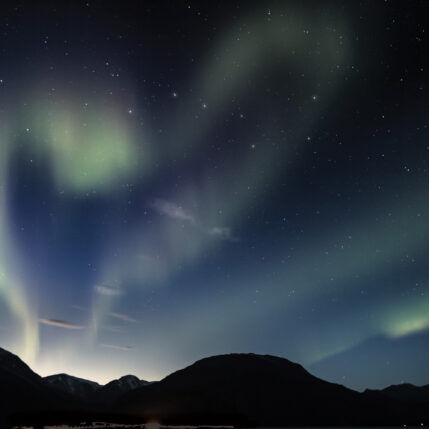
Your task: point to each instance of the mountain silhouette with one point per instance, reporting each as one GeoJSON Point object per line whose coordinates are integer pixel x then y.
{"type": "Point", "coordinates": [258, 390]}
{"type": "Point", "coordinates": [408, 392]}
{"type": "Point", "coordinates": [21, 388]}
{"type": "Point", "coordinates": [239, 389]}
{"type": "Point", "coordinates": [79, 387]}
{"type": "Point", "coordinates": [92, 392]}
{"type": "Point", "coordinates": [23, 391]}
{"type": "Point", "coordinates": [116, 388]}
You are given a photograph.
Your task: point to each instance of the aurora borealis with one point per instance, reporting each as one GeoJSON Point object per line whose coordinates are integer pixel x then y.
{"type": "Point", "coordinates": [183, 179]}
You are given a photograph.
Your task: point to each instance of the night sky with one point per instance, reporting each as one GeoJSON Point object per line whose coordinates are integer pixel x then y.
{"type": "Point", "coordinates": [183, 179]}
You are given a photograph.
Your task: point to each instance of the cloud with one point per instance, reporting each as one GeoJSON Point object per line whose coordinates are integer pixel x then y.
{"type": "Point", "coordinates": [60, 324]}
{"type": "Point", "coordinates": [113, 346]}
{"type": "Point", "coordinates": [107, 290]}
{"type": "Point", "coordinates": [223, 233]}
{"type": "Point", "coordinates": [123, 317]}
{"type": "Point", "coordinates": [175, 211]}
{"type": "Point", "coordinates": [172, 210]}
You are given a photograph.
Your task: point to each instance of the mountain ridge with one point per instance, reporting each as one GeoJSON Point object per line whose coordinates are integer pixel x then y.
{"type": "Point", "coordinates": [92, 391]}
{"type": "Point", "coordinates": [236, 388]}
{"type": "Point", "coordinates": [252, 389]}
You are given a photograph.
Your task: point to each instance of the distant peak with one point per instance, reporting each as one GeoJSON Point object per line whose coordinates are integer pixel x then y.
{"type": "Point", "coordinates": [66, 377]}
{"type": "Point", "coordinates": [129, 377]}
{"type": "Point", "coordinates": [128, 380]}
{"type": "Point", "coordinates": [248, 357]}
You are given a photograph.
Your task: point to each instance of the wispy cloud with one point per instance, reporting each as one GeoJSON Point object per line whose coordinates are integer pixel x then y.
{"type": "Point", "coordinates": [60, 324]}
{"type": "Point", "coordinates": [172, 210]}
{"type": "Point", "coordinates": [107, 290]}
{"type": "Point", "coordinates": [123, 317]}
{"type": "Point", "coordinates": [175, 211]}
{"type": "Point", "coordinates": [223, 233]}
{"type": "Point", "coordinates": [113, 346]}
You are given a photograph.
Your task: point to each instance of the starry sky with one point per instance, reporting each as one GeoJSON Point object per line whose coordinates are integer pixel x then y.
{"type": "Point", "coordinates": [180, 179]}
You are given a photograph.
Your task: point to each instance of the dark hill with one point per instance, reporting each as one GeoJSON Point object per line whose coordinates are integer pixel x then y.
{"type": "Point", "coordinates": [91, 392]}
{"type": "Point", "coordinates": [20, 387]}
{"type": "Point", "coordinates": [79, 387]}
{"type": "Point", "coordinates": [257, 390]}
{"type": "Point", "coordinates": [408, 392]}
{"type": "Point", "coordinates": [23, 391]}
{"type": "Point", "coordinates": [240, 389]}
{"type": "Point", "coordinates": [112, 391]}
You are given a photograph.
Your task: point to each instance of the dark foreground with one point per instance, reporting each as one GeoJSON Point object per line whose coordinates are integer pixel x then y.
{"type": "Point", "coordinates": [241, 390]}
